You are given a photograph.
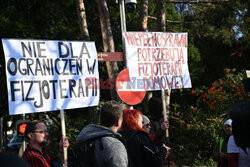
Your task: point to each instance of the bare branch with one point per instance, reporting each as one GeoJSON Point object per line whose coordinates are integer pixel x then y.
{"type": "Point", "coordinates": [196, 2]}
{"type": "Point", "coordinates": [171, 21]}
{"type": "Point", "coordinates": [152, 17]}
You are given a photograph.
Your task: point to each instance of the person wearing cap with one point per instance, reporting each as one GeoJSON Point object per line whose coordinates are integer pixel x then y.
{"type": "Point", "coordinates": [146, 124]}
{"type": "Point", "coordinates": [220, 152]}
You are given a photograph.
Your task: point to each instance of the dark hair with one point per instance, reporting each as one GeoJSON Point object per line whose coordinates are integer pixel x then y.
{"type": "Point", "coordinates": [240, 111]}
{"type": "Point", "coordinates": [241, 133]}
{"type": "Point", "coordinates": [240, 114]}
{"type": "Point", "coordinates": [129, 120]}
{"type": "Point", "coordinates": [31, 127]}
{"type": "Point", "coordinates": [111, 112]}
{"type": "Point", "coordinates": [155, 107]}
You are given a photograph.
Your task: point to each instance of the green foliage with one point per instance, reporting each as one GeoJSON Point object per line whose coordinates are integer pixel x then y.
{"type": "Point", "coordinates": [195, 128]}
{"type": "Point", "coordinates": [219, 32]}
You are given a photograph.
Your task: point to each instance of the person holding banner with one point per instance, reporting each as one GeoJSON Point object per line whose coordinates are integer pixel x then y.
{"type": "Point", "coordinates": [141, 148]}
{"type": "Point", "coordinates": [35, 154]}
{"type": "Point", "coordinates": [158, 126]}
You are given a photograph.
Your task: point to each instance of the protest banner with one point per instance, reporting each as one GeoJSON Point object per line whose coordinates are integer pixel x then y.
{"type": "Point", "coordinates": [158, 59]}
{"type": "Point", "coordinates": [47, 75]}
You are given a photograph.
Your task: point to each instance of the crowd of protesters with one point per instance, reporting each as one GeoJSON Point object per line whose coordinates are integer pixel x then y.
{"type": "Point", "coordinates": [127, 138]}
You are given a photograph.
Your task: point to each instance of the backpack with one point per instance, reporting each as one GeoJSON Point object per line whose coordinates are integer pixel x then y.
{"type": "Point", "coordinates": [82, 154]}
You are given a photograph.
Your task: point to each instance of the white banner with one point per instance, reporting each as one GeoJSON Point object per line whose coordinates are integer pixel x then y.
{"type": "Point", "coordinates": [47, 75]}
{"type": "Point", "coordinates": [157, 60]}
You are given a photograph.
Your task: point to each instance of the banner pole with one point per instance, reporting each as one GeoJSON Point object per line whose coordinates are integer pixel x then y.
{"type": "Point", "coordinates": [164, 112]}
{"type": "Point", "coordinates": [64, 136]}
{"type": "Point", "coordinates": [23, 144]}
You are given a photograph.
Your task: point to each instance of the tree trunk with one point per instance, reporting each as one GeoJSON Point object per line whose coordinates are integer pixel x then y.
{"type": "Point", "coordinates": [161, 22]}
{"type": "Point", "coordinates": [144, 27]}
{"type": "Point", "coordinates": [82, 20]}
{"type": "Point", "coordinates": [144, 15]}
{"type": "Point", "coordinates": [108, 42]}
{"type": "Point", "coordinates": [161, 16]}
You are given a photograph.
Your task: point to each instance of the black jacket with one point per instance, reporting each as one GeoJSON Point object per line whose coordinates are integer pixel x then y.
{"type": "Point", "coordinates": [142, 150]}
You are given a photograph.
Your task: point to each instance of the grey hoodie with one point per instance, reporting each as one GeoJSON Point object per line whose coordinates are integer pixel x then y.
{"type": "Point", "coordinates": [113, 153]}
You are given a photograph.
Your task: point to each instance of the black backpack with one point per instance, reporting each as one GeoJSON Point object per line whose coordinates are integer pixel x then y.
{"type": "Point", "coordinates": [82, 154]}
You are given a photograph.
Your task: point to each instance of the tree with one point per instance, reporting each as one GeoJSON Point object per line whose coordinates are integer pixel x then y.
{"type": "Point", "coordinates": [82, 20]}
{"type": "Point", "coordinates": [214, 31]}
{"type": "Point", "coordinates": [161, 15]}
{"type": "Point", "coordinates": [144, 15]}
{"type": "Point", "coordinates": [108, 42]}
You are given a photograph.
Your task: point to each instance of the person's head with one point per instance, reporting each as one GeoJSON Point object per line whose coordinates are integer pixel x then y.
{"type": "Point", "coordinates": [111, 114]}
{"type": "Point", "coordinates": [228, 127]}
{"type": "Point", "coordinates": [36, 133]}
{"type": "Point", "coordinates": [240, 114]}
{"type": "Point", "coordinates": [155, 107]}
{"type": "Point", "coordinates": [146, 123]}
{"type": "Point", "coordinates": [241, 133]}
{"type": "Point", "coordinates": [132, 119]}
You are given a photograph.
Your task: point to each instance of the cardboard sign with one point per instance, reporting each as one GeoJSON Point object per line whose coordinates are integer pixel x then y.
{"type": "Point", "coordinates": [47, 75]}
{"type": "Point", "coordinates": [158, 59]}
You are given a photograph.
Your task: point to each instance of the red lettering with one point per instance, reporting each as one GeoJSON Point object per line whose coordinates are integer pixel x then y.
{"type": "Point", "coordinates": [177, 43]}
{"type": "Point", "coordinates": [138, 53]}
{"type": "Point", "coordinates": [110, 83]}
{"type": "Point", "coordinates": [101, 84]}
{"type": "Point", "coordinates": [164, 69]}
{"type": "Point", "coordinates": [170, 84]}
{"type": "Point", "coordinates": [155, 69]}
{"type": "Point", "coordinates": [163, 80]}
{"type": "Point", "coordinates": [176, 83]}
{"type": "Point", "coordinates": [168, 71]}
{"type": "Point", "coordinates": [144, 54]}
{"type": "Point", "coordinates": [129, 38]}
{"type": "Point", "coordinates": [137, 39]}
{"type": "Point", "coordinates": [173, 68]}
{"type": "Point", "coordinates": [179, 67]}
{"type": "Point", "coordinates": [148, 54]}
{"type": "Point", "coordinates": [140, 68]}
{"type": "Point", "coordinates": [182, 83]}
{"type": "Point", "coordinates": [181, 57]}
{"type": "Point", "coordinates": [154, 39]}
{"type": "Point", "coordinates": [184, 40]}
{"type": "Point", "coordinates": [170, 40]}
{"type": "Point", "coordinates": [160, 66]}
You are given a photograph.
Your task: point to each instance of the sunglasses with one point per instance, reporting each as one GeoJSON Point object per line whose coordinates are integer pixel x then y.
{"type": "Point", "coordinates": [147, 125]}
{"type": "Point", "coordinates": [41, 131]}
